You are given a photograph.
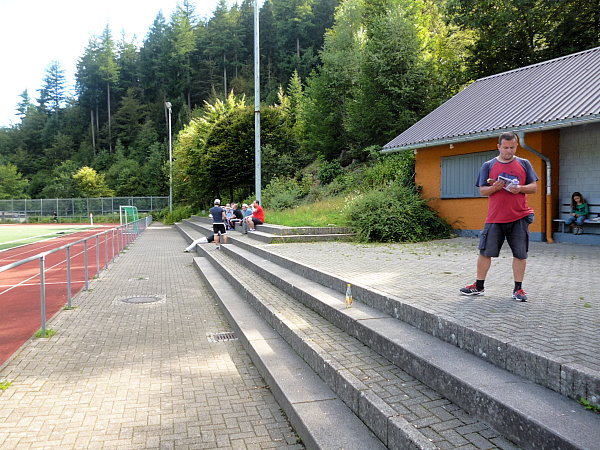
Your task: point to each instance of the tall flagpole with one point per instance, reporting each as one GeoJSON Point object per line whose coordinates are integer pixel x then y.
{"type": "Point", "coordinates": [257, 162]}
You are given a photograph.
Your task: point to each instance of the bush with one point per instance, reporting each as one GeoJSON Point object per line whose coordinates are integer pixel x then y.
{"type": "Point", "coordinates": [394, 214]}
{"type": "Point", "coordinates": [328, 170]}
{"type": "Point", "coordinates": [282, 192]}
{"type": "Point", "coordinates": [179, 213]}
{"type": "Point", "coordinates": [397, 168]}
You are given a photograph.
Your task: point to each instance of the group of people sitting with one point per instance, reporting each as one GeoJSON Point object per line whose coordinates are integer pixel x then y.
{"type": "Point", "coordinates": [253, 215]}
{"type": "Point", "coordinates": [226, 218]}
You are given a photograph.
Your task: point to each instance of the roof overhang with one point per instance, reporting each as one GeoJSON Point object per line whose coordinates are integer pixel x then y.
{"type": "Point", "coordinates": [494, 133]}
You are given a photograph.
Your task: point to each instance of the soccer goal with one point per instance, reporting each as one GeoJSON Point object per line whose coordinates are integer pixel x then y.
{"type": "Point", "coordinates": [128, 214]}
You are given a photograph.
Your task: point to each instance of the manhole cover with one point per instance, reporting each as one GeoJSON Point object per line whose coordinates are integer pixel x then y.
{"type": "Point", "coordinates": [221, 337]}
{"type": "Point", "coordinates": [141, 299]}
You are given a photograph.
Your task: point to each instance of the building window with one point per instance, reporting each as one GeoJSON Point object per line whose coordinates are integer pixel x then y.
{"type": "Point", "coordinates": [459, 174]}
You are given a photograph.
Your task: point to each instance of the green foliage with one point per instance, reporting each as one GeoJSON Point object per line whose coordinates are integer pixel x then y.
{"type": "Point", "coordinates": [515, 33]}
{"type": "Point", "coordinates": [49, 333]}
{"type": "Point", "coordinates": [395, 168]}
{"type": "Point", "coordinates": [589, 406]}
{"type": "Point", "coordinates": [282, 192]}
{"type": "Point", "coordinates": [394, 214]}
{"type": "Point", "coordinates": [179, 213]}
{"type": "Point", "coordinates": [214, 154]}
{"type": "Point", "coordinates": [91, 184]}
{"type": "Point", "coordinates": [328, 170]}
{"type": "Point", "coordinates": [4, 385]}
{"type": "Point", "coordinates": [60, 183]}
{"type": "Point", "coordinates": [12, 183]}
{"type": "Point", "coordinates": [380, 66]}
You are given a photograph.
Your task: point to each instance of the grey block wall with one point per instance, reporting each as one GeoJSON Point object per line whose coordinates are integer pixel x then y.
{"type": "Point", "coordinates": [580, 162]}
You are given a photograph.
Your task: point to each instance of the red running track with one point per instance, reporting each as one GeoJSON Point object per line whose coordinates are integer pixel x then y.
{"type": "Point", "coordinates": [20, 309]}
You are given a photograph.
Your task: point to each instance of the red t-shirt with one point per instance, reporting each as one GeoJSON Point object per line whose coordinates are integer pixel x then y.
{"type": "Point", "coordinates": [504, 206]}
{"type": "Point", "coordinates": [259, 213]}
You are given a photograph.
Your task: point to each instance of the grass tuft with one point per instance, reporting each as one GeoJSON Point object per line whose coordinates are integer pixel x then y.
{"type": "Point", "coordinates": [49, 333]}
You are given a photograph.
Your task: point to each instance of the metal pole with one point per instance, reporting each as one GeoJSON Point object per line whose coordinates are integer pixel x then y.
{"type": "Point", "coordinates": [97, 254]}
{"type": "Point", "coordinates": [168, 106]}
{"type": "Point", "coordinates": [106, 250]}
{"type": "Point", "coordinates": [257, 156]}
{"type": "Point", "coordinates": [69, 277]}
{"type": "Point", "coordinates": [85, 264]}
{"type": "Point", "coordinates": [43, 295]}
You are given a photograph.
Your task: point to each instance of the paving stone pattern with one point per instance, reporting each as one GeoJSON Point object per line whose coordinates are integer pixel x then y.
{"type": "Point", "coordinates": [123, 375]}
{"type": "Point", "coordinates": [438, 419]}
{"type": "Point", "coordinates": [561, 318]}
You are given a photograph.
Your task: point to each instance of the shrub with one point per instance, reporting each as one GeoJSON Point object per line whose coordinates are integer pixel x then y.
{"type": "Point", "coordinates": [394, 214]}
{"type": "Point", "coordinates": [282, 192]}
{"type": "Point", "coordinates": [179, 213]}
{"type": "Point", "coordinates": [397, 168]}
{"type": "Point", "coordinates": [328, 170]}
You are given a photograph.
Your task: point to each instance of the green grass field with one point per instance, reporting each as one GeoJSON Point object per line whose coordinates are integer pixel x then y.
{"type": "Point", "coordinates": [15, 235]}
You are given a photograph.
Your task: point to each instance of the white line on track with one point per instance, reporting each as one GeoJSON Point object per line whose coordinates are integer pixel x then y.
{"type": "Point", "coordinates": [25, 281]}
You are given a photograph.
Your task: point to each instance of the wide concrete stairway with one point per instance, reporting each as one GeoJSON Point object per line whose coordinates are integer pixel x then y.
{"type": "Point", "coordinates": [360, 378]}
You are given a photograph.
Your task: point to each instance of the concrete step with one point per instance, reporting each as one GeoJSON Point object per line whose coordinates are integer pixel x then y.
{"type": "Point", "coordinates": [400, 410]}
{"type": "Point", "coordinates": [570, 380]}
{"type": "Point", "coordinates": [317, 414]}
{"type": "Point", "coordinates": [528, 414]}
{"type": "Point", "coordinates": [269, 233]}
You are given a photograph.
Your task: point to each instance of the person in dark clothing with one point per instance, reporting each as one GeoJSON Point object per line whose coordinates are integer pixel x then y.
{"type": "Point", "coordinates": [238, 216]}
{"type": "Point", "coordinates": [219, 220]}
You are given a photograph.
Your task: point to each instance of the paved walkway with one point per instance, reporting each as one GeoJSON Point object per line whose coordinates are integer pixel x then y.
{"type": "Point", "coordinates": [122, 375]}
{"type": "Point", "coordinates": [561, 318]}
{"type": "Point", "coordinates": [140, 375]}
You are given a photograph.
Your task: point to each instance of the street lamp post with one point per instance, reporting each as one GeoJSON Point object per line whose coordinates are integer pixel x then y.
{"type": "Point", "coordinates": [168, 106]}
{"type": "Point", "coordinates": [257, 153]}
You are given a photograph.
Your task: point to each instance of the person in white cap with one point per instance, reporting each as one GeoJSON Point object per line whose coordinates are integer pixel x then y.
{"type": "Point", "coordinates": [219, 220]}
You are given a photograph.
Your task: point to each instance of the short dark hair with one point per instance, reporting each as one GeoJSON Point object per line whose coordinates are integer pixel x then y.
{"type": "Point", "coordinates": [257, 202]}
{"type": "Point", "coordinates": [508, 136]}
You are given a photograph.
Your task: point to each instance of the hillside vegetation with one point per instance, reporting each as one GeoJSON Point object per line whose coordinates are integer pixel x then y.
{"type": "Point", "coordinates": [339, 79]}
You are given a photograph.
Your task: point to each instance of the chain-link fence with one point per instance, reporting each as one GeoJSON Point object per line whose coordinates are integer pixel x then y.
{"type": "Point", "coordinates": [22, 209]}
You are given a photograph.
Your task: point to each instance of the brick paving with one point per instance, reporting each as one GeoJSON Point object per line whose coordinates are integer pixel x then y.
{"type": "Point", "coordinates": [561, 318]}
{"type": "Point", "coordinates": [123, 375]}
{"type": "Point", "coordinates": [445, 424]}
{"type": "Point", "coordinates": [120, 375]}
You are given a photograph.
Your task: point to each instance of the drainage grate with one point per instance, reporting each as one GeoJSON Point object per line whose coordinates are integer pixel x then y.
{"type": "Point", "coordinates": [136, 300]}
{"type": "Point", "coordinates": [221, 337]}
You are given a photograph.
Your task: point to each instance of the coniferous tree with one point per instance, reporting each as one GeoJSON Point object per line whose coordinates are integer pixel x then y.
{"type": "Point", "coordinates": [109, 74]}
{"type": "Point", "coordinates": [53, 92]}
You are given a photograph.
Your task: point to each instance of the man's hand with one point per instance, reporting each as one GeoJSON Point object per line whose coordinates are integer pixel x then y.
{"type": "Point", "coordinates": [513, 188]}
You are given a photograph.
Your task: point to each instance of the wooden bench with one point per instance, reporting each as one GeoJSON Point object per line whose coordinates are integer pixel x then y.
{"type": "Point", "coordinates": [593, 217]}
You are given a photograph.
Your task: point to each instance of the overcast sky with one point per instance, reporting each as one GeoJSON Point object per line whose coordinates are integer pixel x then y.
{"type": "Point", "coordinates": [33, 33]}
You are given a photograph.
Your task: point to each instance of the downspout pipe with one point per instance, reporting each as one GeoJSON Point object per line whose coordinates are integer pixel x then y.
{"type": "Point", "coordinates": [548, 203]}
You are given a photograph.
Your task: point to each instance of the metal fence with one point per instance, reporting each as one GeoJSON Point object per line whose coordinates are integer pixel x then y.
{"type": "Point", "coordinates": [77, 207]}
{"type": "Point", "coordinates": [110, 243]}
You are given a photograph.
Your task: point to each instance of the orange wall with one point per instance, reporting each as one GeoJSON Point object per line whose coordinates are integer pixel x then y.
{"type": "Point", "coordinates": [469, 213]}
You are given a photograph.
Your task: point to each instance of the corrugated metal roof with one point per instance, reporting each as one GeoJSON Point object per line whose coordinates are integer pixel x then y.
{"type": "Point", "coordinates": [551, 94]}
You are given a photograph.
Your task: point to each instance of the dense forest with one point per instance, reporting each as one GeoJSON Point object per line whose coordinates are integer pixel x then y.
{"type": "Point", "coordinates": [338, 79]}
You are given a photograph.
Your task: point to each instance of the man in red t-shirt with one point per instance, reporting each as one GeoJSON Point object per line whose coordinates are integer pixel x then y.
{"type": "Point", "coordinates": [257, 217]}
{"type": "Point", "coordinates": [505, 180]}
